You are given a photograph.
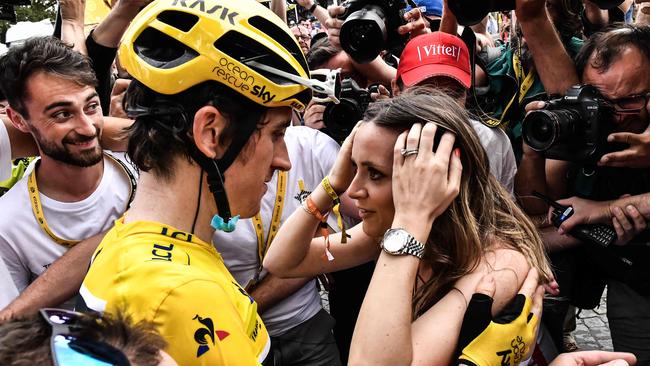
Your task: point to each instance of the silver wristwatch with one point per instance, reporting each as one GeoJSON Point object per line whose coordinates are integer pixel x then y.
{"type": "Point", "coordinates": [400, 242]}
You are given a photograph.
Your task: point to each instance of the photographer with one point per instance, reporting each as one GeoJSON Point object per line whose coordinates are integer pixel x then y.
{"type": "Point", "coordinates": [546, 68]}
{"type": "Point", "coordinates": [615, 61]}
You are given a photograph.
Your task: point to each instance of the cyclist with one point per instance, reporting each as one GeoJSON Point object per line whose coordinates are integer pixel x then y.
{"type": "Point", "coordinates": [214, 85]}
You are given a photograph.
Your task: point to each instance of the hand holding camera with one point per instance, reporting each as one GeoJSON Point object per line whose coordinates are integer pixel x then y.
{"type": "Point", "coordinates": [572, 128]}
{"type": "Point", "coordinates": [334, 24]}
{"type": "Point", "coordinates": [369, 26]}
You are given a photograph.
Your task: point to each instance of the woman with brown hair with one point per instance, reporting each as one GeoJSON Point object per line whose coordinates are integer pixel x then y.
{"type": "Point", "coordinates": [422, 181]}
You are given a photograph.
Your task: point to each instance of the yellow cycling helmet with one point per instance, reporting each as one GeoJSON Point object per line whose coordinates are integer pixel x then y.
{"type": "Point", "coordinates": [240, 43]}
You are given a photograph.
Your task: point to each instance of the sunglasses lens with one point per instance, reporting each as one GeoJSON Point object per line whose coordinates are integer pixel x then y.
{"type": "Point", "coordinates": [59, 316]}
{"type": "Point", "coordinates": [67, 354]}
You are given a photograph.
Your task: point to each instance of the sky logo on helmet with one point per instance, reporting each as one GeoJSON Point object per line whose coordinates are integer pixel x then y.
{"type": "Point", "coordinates": [225, 12]}
{"type": "Point", "coordinates": [262, 93]}
{"type": "Point", "coordinates": [239, 79]}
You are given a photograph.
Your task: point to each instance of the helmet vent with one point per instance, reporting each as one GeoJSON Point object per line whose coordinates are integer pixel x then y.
{"type": "Point", "coordinates": [280, 36]}
{"type": "Point", "coordinates": [179, 20]}
{"type": "Point", "coordinates": [243, 48]}
{"type": "Point", "coordinates": [162, 51]}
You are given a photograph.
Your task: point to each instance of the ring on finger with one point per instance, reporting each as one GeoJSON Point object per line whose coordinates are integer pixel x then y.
{"type": "Point", "coordinates": [408, 152]}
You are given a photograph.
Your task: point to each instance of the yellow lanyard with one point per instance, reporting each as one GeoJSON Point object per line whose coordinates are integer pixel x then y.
{"type": "Point", "coordinates": [524, 87]}
{"type": "Point", "coordinates": [263, 247]}
{"type": "Point", "coordinates": [37, 208]}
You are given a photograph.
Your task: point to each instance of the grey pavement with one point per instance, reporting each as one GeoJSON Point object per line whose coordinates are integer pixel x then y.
{"type": "Point", "coordinates": [592, 329]}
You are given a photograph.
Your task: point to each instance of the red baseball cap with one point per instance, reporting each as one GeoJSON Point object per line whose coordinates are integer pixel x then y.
{"type": "Point", "coordinates": [435, 54]}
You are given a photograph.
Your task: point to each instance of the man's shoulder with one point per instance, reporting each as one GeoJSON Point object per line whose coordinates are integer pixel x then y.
{"type": "Point", "coordinates": [491, 136]}
{"type": "Point", "coordinates": [308, 137]}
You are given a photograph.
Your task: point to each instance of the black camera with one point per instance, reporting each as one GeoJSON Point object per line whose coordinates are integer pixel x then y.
{"type": "Point", "coordinates": [370, 26]}
{"type": "Point", "coordinates": [7, 13]}
{"type": "Point", "coordinates": [572, 128]}
{"type": "Point", "coordinates": [16, 2]}
{"type": "Point", "coordinates": [340, 119]}
{"type": "Point", "coordinates": [470, 12]}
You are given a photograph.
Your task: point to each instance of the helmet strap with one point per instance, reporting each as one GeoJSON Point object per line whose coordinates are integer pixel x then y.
{"type": "Point", "coordinates": [223, 221]}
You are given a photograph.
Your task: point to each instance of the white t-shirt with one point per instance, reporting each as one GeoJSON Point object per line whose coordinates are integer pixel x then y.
{"type": "Point", "coordinates": [312, 154]}
{"type": "Point", "coordinates": [8, 290]}
{"type": "Point", "coordinates": [27, 250]}
{"type": "Point", "coordinates": [5, 153]}
{"type": "Point", "coordinates": [499, 151]}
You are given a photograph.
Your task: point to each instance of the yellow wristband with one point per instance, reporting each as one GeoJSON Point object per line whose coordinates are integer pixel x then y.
{"type": "Point", "coordinates": [328, 188]}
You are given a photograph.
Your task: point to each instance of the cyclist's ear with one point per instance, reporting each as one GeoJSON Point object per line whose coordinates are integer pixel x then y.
{"type": "Point", "coordinates": [208, 126]}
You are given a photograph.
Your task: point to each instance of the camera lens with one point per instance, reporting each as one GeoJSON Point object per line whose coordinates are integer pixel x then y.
{"type": "Point", "coordinates": [470, 12]}
{"type": "Point", "coordinates": [340, 118]}
{"type": "Point", "coordinates": [544, 128]}
{"type": "Point", "coordinates": [364, 33]}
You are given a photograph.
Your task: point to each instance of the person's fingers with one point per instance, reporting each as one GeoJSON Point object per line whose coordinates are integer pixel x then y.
{"type": "Point", "coordinates": [624, 137]}
{"type": "Point", "coordinates": [486, 285]}
{"type": "Point", "coordinates": [530, 283]}
{"type": "Point", "coordinates": [538, 300]}
{"type": "Point", "coordinates": [552, 287]}
{"type": "Point", "coordinates": [383, 90]}
{"type": "Point", "coordinates": [615, 363]}
{"type": "Point", "coordinates": [455, 172]}
{"type": "Point", "coordinates": [443, 152]}
{"type": "Point", "coordinates": [535, 105]}
{"type": "Point", "coordinates": [120, 86]}
{"type": "Point", "coordinates": [413, 137]}
{"type": "Point", "coordinates": [335, 10]}
{"type": "Point", "coordinates": [601, 357]}
{"type": "Point", "coordinates": [622, 219]}
{"type": "Point", "coordinates": [412, 27]}
{"type": "Point", "coordinates": [620, 233]}
{"type": "Point", "coordinates": [412, 14]}
{"type": "Point", "coordinates": [347, 143]}
{"type": "Point", "coordinates": [617, 158]}
{"type": "Point", "coordinates": [637, 219]}
{"type": "Point", "coordinates": [427, 136]}
{"type": "Point", "coordinates": [567, 225]}
{"type": "Point", "coordinates": [398, 158]}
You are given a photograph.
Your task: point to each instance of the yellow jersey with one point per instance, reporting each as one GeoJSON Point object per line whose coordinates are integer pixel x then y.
{"type": "Point", "coordinates": [169, 277]}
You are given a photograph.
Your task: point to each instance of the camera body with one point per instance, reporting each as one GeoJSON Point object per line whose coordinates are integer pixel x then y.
{"type": "Point", "coordinates": [340, 119]}
{"type": "Point", "coordinates": [370, 26]}
{"type": "Point", "coordinates": [470, 12]}
{"type": "Point", "coordinates": [7, 11]}
{"type": "Point", "coordinates": [572, 128]}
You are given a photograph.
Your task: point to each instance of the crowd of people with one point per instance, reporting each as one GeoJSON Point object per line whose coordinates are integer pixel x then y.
{"type": "Point", "coordinates": [183, 183]}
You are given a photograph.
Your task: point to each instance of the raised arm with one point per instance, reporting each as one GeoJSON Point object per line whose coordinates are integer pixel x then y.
{"type": "Point", "coordinates": [555, 68]}
{"type": "Point", "coordinates": [72, 24]}
{"type": "Point", "coordinates": [296, 253]}
{"type": "Point", "coordinates": [316, 10]}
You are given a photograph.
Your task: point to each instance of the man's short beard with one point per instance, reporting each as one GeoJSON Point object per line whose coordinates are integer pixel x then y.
{"type": "Point", "coordinates": [83, 159]}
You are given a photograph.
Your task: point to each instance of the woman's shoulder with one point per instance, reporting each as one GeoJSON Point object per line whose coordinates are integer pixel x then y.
{"type": "Point", "coordinates": [503, 257]}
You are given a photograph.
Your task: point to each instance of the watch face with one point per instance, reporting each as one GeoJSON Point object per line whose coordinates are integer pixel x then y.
{"type": "Point", "coordinates": [395, 240]}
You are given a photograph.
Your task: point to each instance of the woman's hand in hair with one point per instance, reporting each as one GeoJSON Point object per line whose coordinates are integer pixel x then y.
{"type": "Point", "coordinates": [342, 172]}
{"type": "Point", "coordinates": [426, 182]}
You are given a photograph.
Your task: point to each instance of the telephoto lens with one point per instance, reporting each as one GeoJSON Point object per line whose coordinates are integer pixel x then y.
{"type": "Point", "coordinates": [363, 34]}
{"type": "Point", "coordinates": [470, 12]}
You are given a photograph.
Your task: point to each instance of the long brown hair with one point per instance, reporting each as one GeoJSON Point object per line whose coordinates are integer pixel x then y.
{"type": "Point", "coordinates": [483, 209]}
